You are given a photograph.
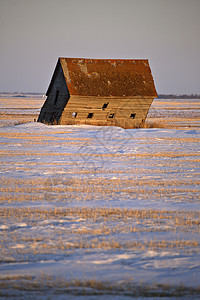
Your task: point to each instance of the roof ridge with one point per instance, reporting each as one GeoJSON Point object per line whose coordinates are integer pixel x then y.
{"type": "Point", "coordinates": [106, 59]}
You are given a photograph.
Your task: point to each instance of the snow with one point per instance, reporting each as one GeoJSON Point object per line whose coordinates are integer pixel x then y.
{"type": "Point", "coordinates": [64, 155]}
{"type": "Point", "coordinates": [116, 206]}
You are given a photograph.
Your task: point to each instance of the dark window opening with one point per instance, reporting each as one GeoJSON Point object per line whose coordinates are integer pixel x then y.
{"type": "Point", "coordinates": [74, 114]}
{"type": "Point", "coordinates": [90, 115]}
{"type": "Point", "coordinates": [111, 116]}
{"type": "Point", "coordinates": [132, 116]}
{"type": "Point", "coordinates": [105, 105]}
{"type": "Point", "coordinates": [56, 98]}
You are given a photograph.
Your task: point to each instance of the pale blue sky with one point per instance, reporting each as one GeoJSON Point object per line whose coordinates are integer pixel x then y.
{"type": "Point", "coordinates": [34, 33]}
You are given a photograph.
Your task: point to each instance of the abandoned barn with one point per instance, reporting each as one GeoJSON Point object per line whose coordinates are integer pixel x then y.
{"type": "Point", "coordinates": [99, 92]}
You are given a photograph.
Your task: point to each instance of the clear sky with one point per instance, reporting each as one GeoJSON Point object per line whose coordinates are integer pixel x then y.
{"type": "Point", "coordinates": [34, 33]}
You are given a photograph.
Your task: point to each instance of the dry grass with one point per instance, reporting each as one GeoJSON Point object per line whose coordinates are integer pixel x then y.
{"type": "Point", "coordinates": [62, 188]}
{"type": "Point", "coordinates": [31, 234]}
{"type": "Point", "coordinates": [60, 286]}
{"type": "Point", "coordinates": [98, 228]}
{"type": "Point", "coordinates": [154, 124]}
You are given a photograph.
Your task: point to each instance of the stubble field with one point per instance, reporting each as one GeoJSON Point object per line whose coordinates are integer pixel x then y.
{"type": "Point", "coordinates": [91, 212]}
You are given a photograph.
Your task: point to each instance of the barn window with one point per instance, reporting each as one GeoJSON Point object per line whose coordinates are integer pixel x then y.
{"type": "Point", "coordinates": [132, 116]}
{"type": "Point", "coordinates": [105, 105]}
{"type": "Point", "coordinates": [111, 116]}
{"type": "Point", "coordinates": [90, 115]}
{"type": "Point", "coordinates": [56, 98]}
{"type": "Point", "coordinates": [74, 114]}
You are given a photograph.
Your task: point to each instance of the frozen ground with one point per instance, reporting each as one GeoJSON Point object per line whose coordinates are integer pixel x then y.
{"type": "Point", "coordinates": [99, 212]}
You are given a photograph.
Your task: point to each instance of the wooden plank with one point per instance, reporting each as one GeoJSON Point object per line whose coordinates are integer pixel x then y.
{"type": "Point", "coordinates": [122, 108]}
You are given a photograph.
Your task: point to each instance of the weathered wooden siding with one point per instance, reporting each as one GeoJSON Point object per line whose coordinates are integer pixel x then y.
{"type": "Point", "coordinates": [57, 98]}
{"type": "Point", "coordinates": [129, 112]}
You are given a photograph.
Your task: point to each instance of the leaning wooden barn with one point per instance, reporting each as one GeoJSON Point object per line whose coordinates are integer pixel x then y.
{"type": "Point", "coordinates": [99, 92]}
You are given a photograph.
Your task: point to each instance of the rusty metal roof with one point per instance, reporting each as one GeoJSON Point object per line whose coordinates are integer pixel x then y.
{"type": "Point", "coordinates": [108, 77]}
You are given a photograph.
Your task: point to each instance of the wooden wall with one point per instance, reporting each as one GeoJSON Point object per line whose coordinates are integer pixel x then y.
{"type": "Point", "coordinates": [57, 98]}
{"type": "Point", "coordinates": [129, 112]}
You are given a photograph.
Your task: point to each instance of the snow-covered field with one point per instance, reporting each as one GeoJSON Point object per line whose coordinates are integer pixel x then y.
{"type": "Point", "coordinates": [93, 212]}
